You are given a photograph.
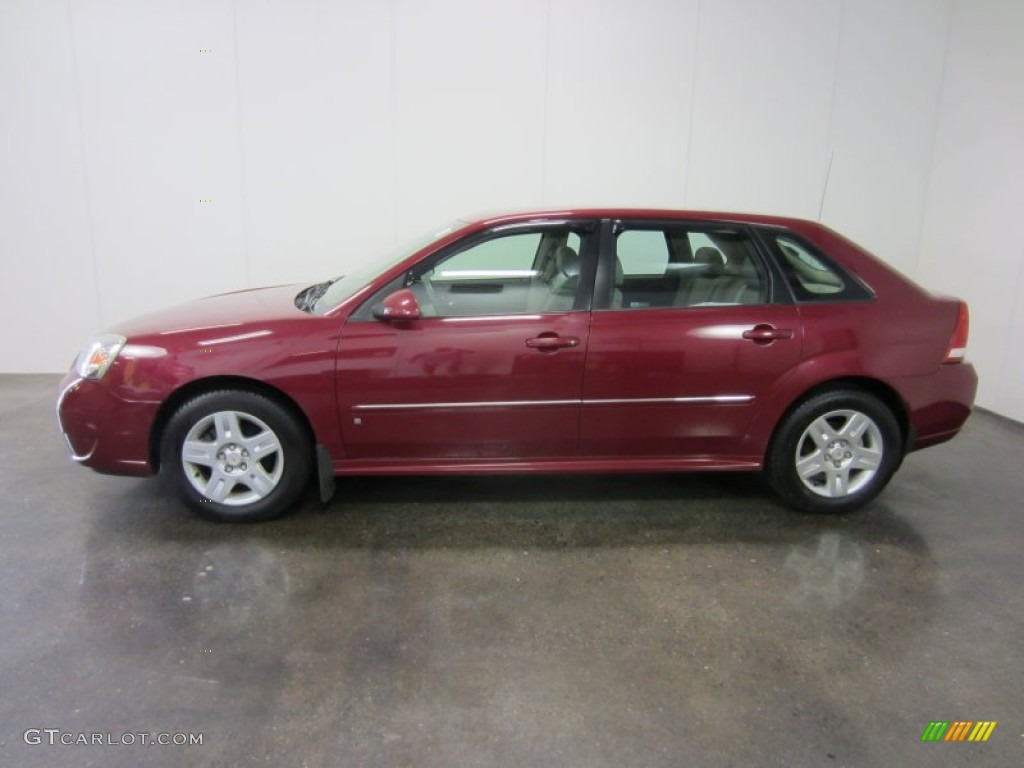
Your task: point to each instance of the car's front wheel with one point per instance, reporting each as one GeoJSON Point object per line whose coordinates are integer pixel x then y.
{"type": "Point", "coordinates": [834, 452]}
{"type": "Point", "coordinates": [236, 456]}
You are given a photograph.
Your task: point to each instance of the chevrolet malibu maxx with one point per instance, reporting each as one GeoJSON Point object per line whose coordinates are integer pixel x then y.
{"type": "Point", "coordinates": [558, 341]}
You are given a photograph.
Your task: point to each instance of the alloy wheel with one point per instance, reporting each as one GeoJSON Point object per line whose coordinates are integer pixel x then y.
{"type": "Point", "coordinates": [839, 453]}
{"type": "Point", "coordinates": [232, 458]}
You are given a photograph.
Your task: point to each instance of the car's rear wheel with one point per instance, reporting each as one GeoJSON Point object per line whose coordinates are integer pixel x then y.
{"type": "Point", "coordinates": [834, 452]}
{"type": "Point", "coordinates": [236, 456]}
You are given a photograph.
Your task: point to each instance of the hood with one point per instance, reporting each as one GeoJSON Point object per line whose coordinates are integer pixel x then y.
{"type": "Point", "coordinates": [220, 313]}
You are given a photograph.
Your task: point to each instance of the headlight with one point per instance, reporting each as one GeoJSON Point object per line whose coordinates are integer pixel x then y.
{"type": "Point", "coordinates": [95, 359]}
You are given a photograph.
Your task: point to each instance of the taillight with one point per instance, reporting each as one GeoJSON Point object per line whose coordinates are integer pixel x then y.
{"type": "Point", "coordinates": [958, 341]}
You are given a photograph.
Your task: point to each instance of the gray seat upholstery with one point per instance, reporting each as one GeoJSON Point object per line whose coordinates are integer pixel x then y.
{"type": "Point", "coordinates": [712, 257]}
{"type": "Point", "coordinates": [697, 288]}
{"type": "Point", "coordinates": [716, 282]}
{"type": "Point", "coordinates": [540, 286]}
{"type": "Point", "coordinates": [565, 282]}
{"type": "Point", "coordinates": [741, 284]}
{"type": "Point", "coordinates": [620, 278]}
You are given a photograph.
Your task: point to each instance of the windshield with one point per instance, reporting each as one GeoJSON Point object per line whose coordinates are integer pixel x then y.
{"type": "Point", "coordinates": [362, 274]}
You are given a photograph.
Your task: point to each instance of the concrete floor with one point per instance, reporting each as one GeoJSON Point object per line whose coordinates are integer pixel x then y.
{"type": "Point", "coordinates": [562, 621]}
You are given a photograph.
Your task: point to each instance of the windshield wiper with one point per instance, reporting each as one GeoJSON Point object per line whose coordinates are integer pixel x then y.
{"type": "Point", "coordinates": [308, 297]}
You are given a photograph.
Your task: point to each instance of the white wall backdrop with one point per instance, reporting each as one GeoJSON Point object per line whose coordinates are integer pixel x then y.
{"type": "Point", "coordinates": [154, 151]}
{"type": "Point", "coordinates": [969, 244]}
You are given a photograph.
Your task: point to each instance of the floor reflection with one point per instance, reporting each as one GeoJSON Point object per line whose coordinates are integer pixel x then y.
{"type": "Point", "coordinates": [830, 567]}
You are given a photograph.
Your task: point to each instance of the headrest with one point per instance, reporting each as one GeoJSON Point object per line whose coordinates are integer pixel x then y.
{"type": "Point", "coordinates": [568, 261]}
{"type": "Point", "coordinates": [620, 274]}
{"type": "Point", "coordinates": [708, 255]}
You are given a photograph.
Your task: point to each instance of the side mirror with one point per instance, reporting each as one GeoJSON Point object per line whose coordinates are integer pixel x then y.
{"type": "Point", "coordinates": [400, 306]}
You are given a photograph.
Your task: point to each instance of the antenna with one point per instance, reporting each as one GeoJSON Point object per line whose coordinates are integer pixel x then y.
{"type": "Point", "coordinates": [824, 187]}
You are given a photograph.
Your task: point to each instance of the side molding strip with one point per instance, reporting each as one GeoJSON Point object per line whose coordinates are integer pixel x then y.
{"type": "Point", "coordinates": [682, 400]}
{"type": "Point", "coordinates": [710, 399]}
{"type": "Point", "coordinates": [491, 404]}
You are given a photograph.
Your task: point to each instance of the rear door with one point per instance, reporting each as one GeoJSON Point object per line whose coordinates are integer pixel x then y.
{"type": "Point", "coordinates": [686, 338]}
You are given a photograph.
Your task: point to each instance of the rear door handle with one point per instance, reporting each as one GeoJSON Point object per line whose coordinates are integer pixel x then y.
{"type": "Point", "coordinates": [552, 342]}
{"type": "Point", "coordinates": [763, 333]}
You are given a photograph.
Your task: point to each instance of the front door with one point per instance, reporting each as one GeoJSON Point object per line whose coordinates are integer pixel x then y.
{"type": "Point", "coordinates": [493, 370]}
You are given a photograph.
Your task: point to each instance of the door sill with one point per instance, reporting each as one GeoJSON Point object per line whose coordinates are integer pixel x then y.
{"type": "Point", "coordinates": [545, 466]}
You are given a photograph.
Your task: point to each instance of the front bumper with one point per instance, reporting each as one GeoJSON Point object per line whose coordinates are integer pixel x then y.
{"type": "Point", "coordinates": [103, 431]}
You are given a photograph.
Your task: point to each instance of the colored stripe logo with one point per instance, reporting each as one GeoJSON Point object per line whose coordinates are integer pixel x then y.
{"type": "Point", "coordinates": [958, 730]}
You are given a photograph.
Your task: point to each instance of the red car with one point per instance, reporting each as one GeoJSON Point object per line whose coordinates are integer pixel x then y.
{"type": "Point", "coordinates": [558, 341]}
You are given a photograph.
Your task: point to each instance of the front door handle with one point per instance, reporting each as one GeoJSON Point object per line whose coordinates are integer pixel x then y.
{"type": "Point", "coordinates": [552, 342]}
{"type": "Point", "coordinates": [762, 333]}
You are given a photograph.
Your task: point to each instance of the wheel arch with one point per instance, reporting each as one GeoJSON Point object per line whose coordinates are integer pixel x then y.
{"type": "Point", "coordinates": [879, 389]}
{"type": "Point", "coordinates": [211, 384]}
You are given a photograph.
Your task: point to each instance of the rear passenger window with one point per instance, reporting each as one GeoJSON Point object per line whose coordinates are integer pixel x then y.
{"type": "Point", "coordinates": [812, 277]}
{"type": "Point", "coordinates": [680, 266]}
{"type": "Point", "coordinates": [643, 251]}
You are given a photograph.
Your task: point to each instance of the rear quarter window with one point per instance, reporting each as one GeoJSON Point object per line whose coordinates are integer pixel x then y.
{"type": "Point", "coordinates": [813, 276]}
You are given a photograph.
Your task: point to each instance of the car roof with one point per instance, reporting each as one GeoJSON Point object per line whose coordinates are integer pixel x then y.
{"type": "Point", "coordinates": [491, 218]}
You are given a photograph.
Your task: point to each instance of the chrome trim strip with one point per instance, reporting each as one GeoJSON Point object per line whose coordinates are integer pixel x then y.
{"type": "Point", "coordinates": [531, 403]}
{"type": "Point", "coordinates": [79, 457]}
{"type": "Point", "coordinates": [682, 400]}
{"type": "Point", "coordinates": [491, 404]}
{"type": "Point", "coordinates": [60, 402]}
{"type": "Point", "coordinates": [60, 425]}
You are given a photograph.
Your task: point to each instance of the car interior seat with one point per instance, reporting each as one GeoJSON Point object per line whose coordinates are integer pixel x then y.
{"type": "Point", "coordinates": [563, 286]}
{"type": "Point", "coordinates": [708, 269]}
{"type": "Point", "coordinates": [719, 282]}
{"type": "Point", "coordinates": [620, 278]}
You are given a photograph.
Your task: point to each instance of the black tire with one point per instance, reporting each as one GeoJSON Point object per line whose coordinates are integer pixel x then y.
{"type": "Point", "coordinates": [248, 458]}
{"type": "Point", "coordinates": [834, 452]}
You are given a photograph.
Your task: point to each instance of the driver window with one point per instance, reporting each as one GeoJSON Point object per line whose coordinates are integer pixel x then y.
{"type": "Point", "coordinates": [515, 273]}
